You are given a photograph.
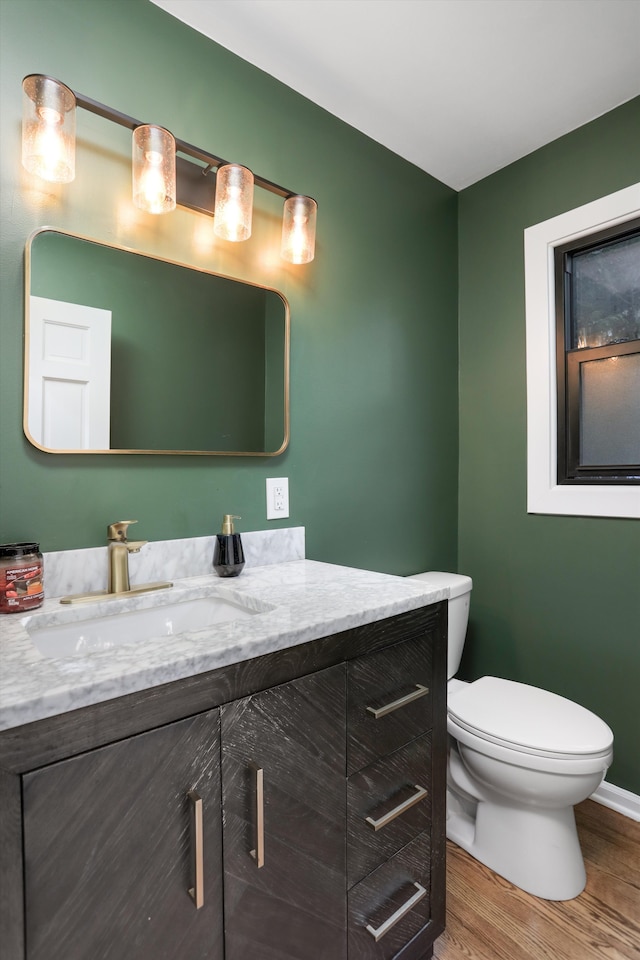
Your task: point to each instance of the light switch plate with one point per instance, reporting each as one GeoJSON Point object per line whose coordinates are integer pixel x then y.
{"type": "Point", "coordinates": [277, 498]}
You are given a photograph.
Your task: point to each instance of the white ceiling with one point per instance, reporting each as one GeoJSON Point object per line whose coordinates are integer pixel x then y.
{"type": "Point", "coordinates": [458, 87]}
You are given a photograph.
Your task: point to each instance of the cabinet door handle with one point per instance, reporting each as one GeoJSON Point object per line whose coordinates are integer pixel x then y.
{"type": "Point", "coordinates": [399, 810]}
{"type": "Point", "coordinates": [196, 892]}
{"type": "Point", "coordinates": [420, 691]}
{"type": "Point", "coordinates": [398, 915]}
{"type": "Point", "coordinates": [258, 853]}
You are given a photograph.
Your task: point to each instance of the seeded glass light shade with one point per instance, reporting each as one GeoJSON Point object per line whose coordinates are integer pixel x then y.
{"type": "Point", "coordinates": [299, 229]}
{"type": "Point", "coordinates": [48, 129]}
{"type": "Point", "coordinates": [154, 169]}
{"type": "Point", "coordinates": [234, 202]}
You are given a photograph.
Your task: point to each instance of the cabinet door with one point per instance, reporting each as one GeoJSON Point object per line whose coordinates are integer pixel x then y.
{"type": "Point", "coordinates": [110, 849]}
{"type": "Point", "coordinates": [283, 783]}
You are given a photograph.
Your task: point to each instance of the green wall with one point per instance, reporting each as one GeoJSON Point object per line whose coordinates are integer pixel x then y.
{"type": "Point", "coordinates": [556, 600]}
{"type": "Point", "coordinates": [373, 457]}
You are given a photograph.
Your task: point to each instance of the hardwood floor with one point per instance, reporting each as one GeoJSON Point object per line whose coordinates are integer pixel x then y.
{"type": "Point", "coordinates": [490, 919]}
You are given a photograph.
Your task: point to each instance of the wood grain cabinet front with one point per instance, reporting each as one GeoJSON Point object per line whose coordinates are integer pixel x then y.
{"type": "Point", "coordinates": [289, 807]}
{"type": "Point", "coordinates": [389, 800]}
{"type": "Point", "coordinates": [390, 700]}
{"type": "Point", "coordinates": [115, 839]}
{"type": "Point", "coordinates": [388, 804]}
{"type": "Point", "coordinates": [283, 760]}
{"type": "Point", "coordinates": [390, 910]}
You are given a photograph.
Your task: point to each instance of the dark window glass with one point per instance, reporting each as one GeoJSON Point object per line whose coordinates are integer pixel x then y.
{"type": "Point", "coordinates": [598, 357]}
{"type": "Point", "coordinates": [605, 294]}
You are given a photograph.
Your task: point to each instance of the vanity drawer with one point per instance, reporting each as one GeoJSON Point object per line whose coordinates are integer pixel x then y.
{"type": "Point", "coordinates": [388, 805]}
{"type": "Point", "coordinates": [392, 904]}
{"type": "Point", "coordinates": [389, 700]}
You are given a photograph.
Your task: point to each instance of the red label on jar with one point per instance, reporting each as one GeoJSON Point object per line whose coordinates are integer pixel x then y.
{"type": "Point", "coordinates": [21, 588]}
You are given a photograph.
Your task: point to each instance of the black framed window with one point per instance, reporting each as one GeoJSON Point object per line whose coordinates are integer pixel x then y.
{"type": "Point", "coordinates": [598, 356]}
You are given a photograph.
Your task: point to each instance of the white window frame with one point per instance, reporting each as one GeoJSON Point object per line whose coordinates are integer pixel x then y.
{"type": "Point", "coordinates": [544, 494]}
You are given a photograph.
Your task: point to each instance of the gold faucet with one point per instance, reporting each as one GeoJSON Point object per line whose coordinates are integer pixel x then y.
{"type": "Point", "coordinates": [118, 584]}
{"type": "Point", "coordinates": [119, 550]}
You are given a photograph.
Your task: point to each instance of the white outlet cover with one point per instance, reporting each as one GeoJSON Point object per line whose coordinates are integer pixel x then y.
{"type": "Point", "coordinates": [277, 497]}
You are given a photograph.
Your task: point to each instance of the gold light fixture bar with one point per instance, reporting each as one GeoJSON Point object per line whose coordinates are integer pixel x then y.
{"type": "Point", "coordinates": [195, 172]}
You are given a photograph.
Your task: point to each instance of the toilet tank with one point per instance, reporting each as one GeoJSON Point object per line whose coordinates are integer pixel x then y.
{"type": "Point", "coordinates": [459, 587]}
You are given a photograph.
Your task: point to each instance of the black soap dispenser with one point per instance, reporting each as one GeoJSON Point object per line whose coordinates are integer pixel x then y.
{"type": "Point", "coordinates": [228, 555]}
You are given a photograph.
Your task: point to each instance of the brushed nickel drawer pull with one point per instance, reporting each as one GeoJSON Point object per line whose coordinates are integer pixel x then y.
{"type": "Point", "coordinates": [420, 691]}
{"type": "Point", "coordinates": [398, 915]}
{"type": "Point", "coordinates": [258, 853]}
{"type": "Point", "coordinates": [399, 810]}
{"type": "Point", "coordinates": [196, 892]}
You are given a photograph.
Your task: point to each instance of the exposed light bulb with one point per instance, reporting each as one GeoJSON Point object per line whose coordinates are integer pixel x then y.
{"type": "Point", "coordinates": [49, 146]}
{"type": "Point", "coordinates": [152, 185]}
{"type": "Point", "coordinates": [49, 116]}
{"type": "Point", "coordinates": [298, 241]}
{"type": "Point", "coordinates": [231, 214]}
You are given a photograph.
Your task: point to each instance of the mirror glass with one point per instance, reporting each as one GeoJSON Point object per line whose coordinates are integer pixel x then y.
{"type": "Point", "coordinates": [126, 352]}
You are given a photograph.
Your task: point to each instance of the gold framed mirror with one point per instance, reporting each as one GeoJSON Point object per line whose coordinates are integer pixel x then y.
{"type": "Point", "coordinates": [127, 352]}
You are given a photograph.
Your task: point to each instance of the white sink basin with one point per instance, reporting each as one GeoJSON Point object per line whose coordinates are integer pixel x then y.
{"type": "Point", "coordinates": [81, 637]}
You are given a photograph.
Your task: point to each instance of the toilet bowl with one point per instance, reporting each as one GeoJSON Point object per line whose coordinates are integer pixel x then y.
{"type": "Point", "coordinates": [520, 758]}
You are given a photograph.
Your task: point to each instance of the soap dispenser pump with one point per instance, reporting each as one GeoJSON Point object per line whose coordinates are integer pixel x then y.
{"type": "Point", "coordinates": [228, 555]}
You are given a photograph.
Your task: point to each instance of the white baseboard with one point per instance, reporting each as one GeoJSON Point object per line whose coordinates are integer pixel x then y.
{"type": "Point", "coordinates": [618, 799]}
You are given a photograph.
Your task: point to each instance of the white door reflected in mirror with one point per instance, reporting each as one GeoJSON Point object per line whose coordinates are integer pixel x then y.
{"type": "Point", "coordinates": [70, 375]}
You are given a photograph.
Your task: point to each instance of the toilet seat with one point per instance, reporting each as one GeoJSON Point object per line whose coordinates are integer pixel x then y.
{"type": "Point", "coordinates": [527, 720]}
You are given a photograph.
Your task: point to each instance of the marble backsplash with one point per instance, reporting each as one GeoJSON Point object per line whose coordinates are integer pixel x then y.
{"type": "Point", "coordinates": [83, 571]}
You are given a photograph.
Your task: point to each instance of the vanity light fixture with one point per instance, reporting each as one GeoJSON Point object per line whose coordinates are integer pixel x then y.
{"type": "Point", "coordinates": [234, 202]}
{"type": "Point", "coordinates": [154, 169]}
{"type": "Point", "coordinates": [166, 170]}
{"type": "Point", "coordinates": [48, 129]}
{"type": "Point", "coordinates": [299, 229]}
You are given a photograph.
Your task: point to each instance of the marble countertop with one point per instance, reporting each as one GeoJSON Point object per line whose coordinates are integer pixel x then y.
{"type": "Point", "coordinates": [295, 602]}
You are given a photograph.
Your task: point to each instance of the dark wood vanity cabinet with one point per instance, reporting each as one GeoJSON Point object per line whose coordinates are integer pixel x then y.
{"type": "Point", "coordinates": [109, 849]}
{"type": "Point", "coordinates": [301, 792]}
{"type": "Point", "coordinates": [392, 771]}
{"type": "Point", "coordinates": [283, 760]}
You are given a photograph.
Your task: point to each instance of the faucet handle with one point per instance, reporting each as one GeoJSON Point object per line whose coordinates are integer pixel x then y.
{"type": "Point", "coordinates": [118, 531]}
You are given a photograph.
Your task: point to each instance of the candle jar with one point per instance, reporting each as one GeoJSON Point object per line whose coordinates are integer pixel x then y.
{"type": "Point", "coordinates": [21, 577]}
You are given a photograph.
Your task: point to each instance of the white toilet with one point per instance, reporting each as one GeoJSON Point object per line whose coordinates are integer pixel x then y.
{"type": "Point", "coordinates": [519, 759]}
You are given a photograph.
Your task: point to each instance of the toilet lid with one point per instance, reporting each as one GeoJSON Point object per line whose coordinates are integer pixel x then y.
{"type": "Point", "coordinates": [516, 714]}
